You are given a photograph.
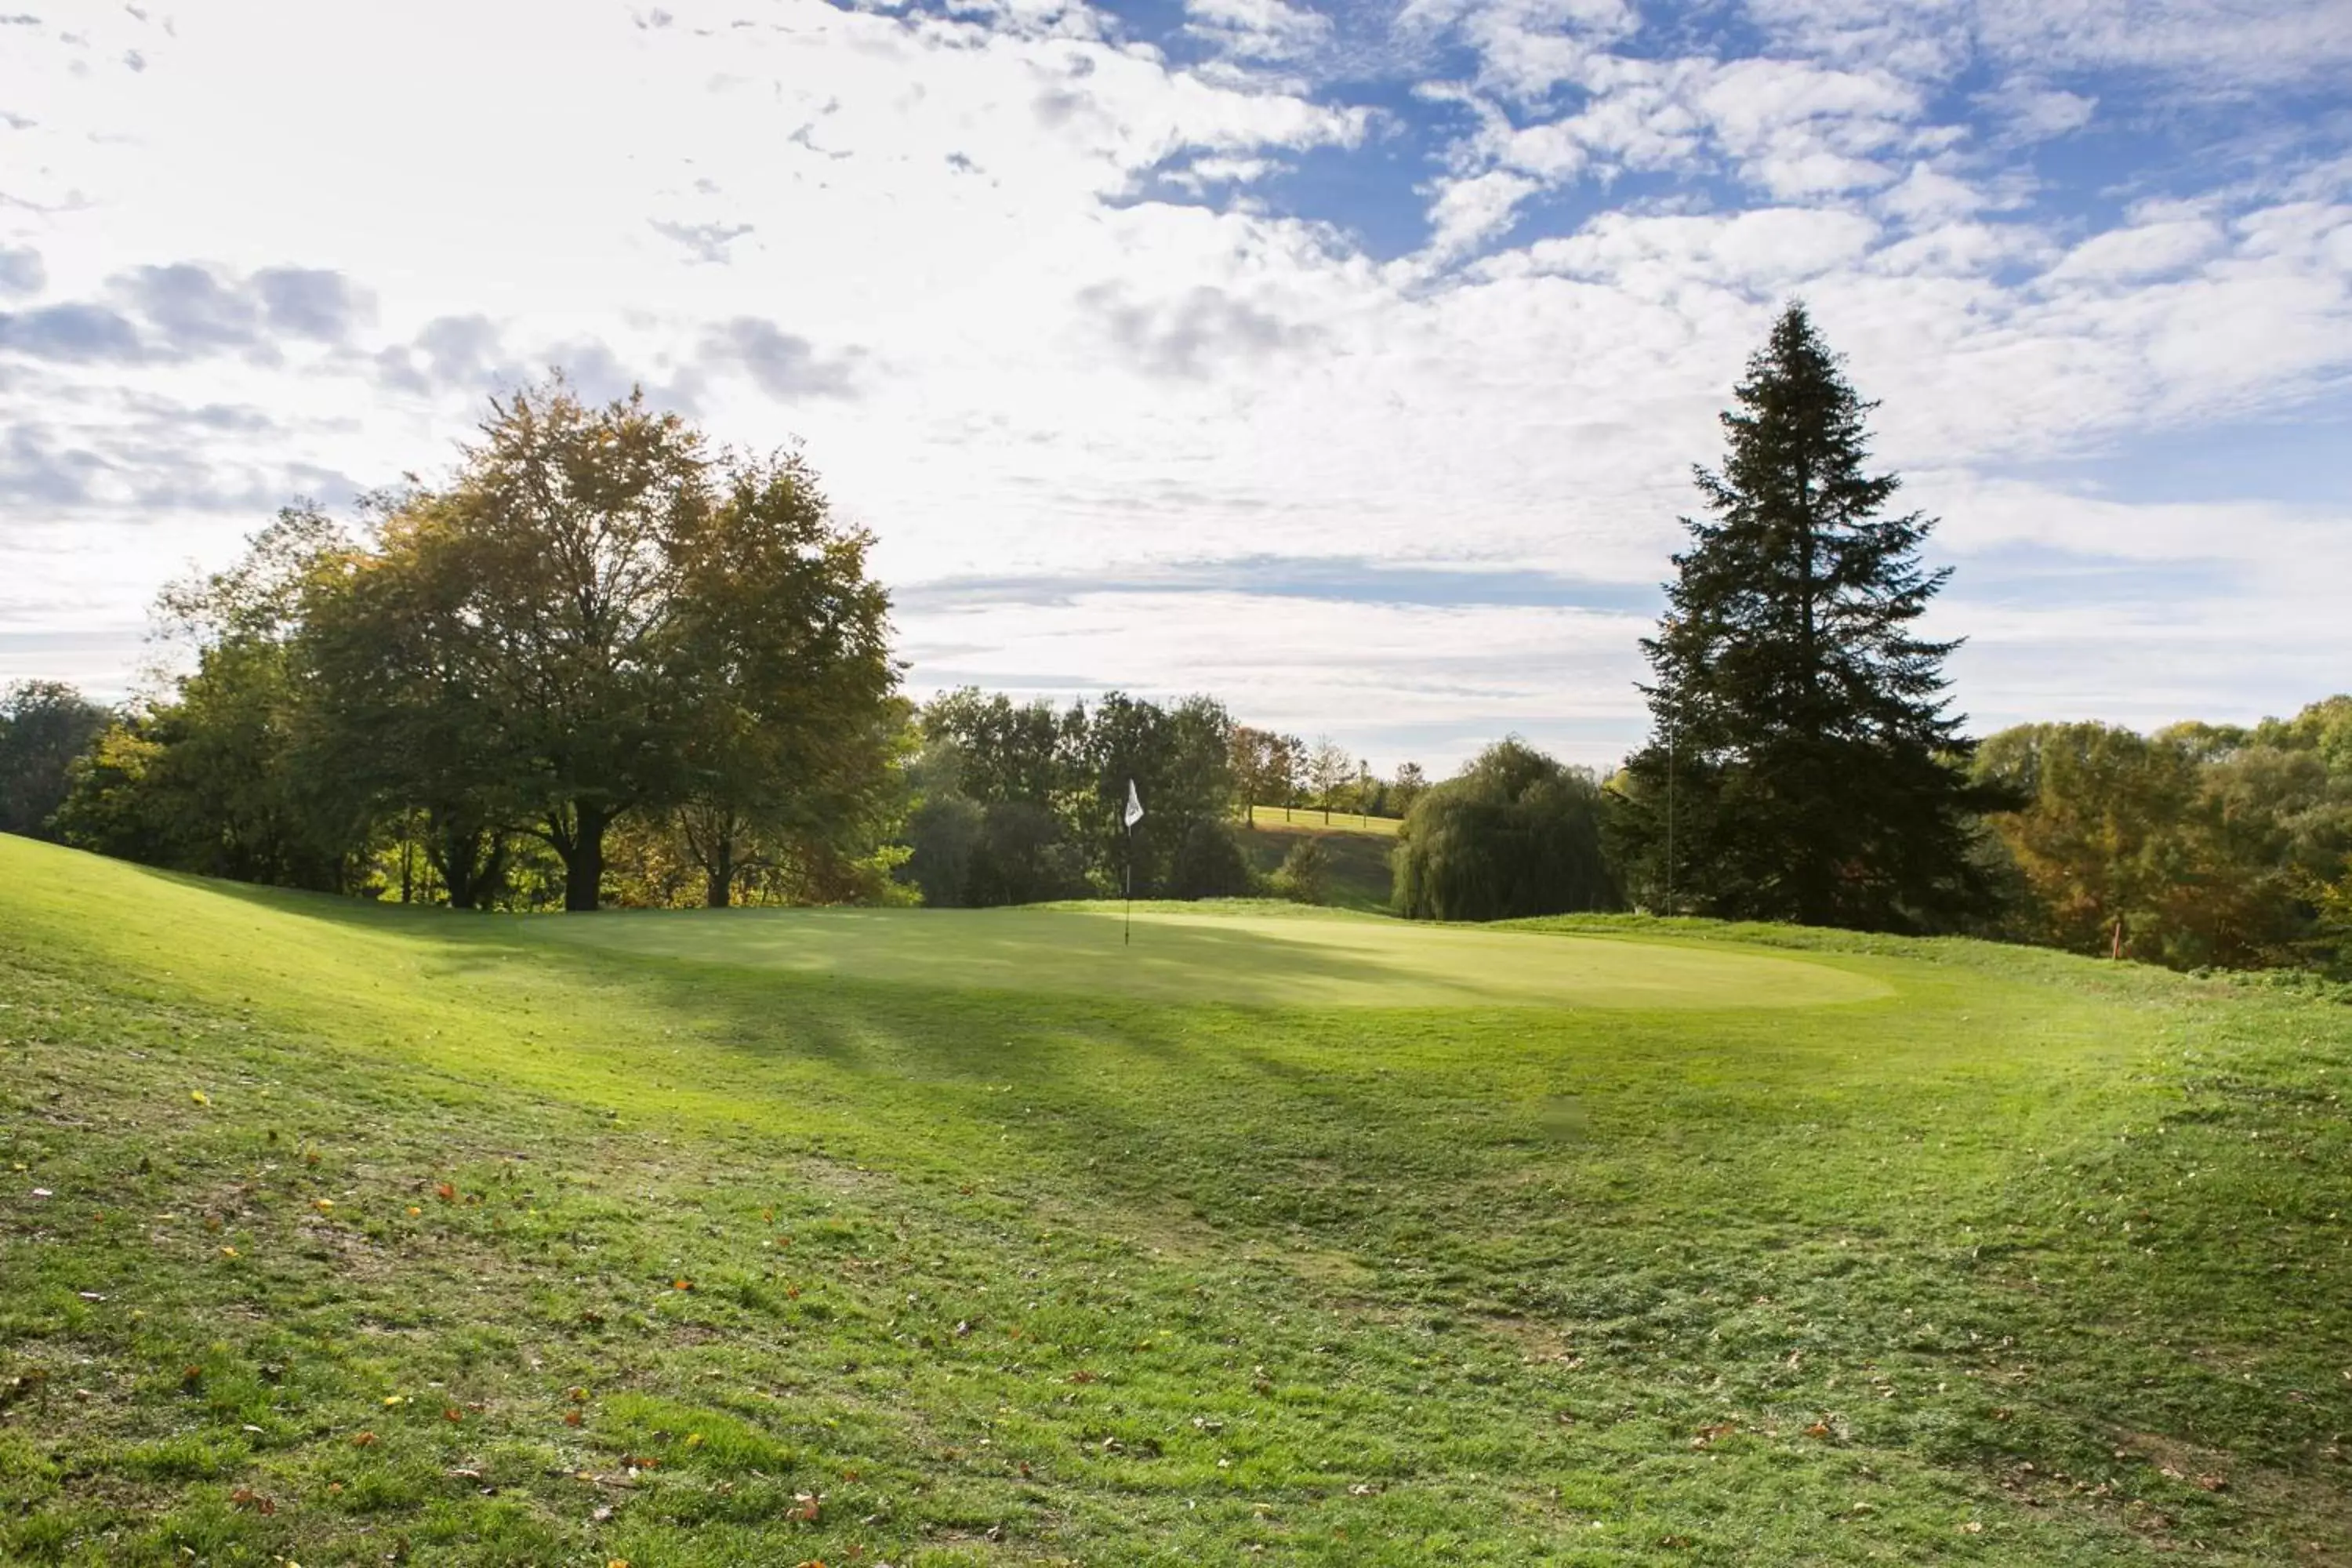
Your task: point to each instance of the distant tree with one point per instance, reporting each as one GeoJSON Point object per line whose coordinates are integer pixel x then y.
{"type": "Point", "coordinates": [2097, 839]}
{"type": "Point", "coordinates": [1305, 876]}
{"type": "Point", "coordinates": [1799, 724]}
{"type": "Point", "coordinates": [1006, 750]}
{"type": "Point", "coordinates": [1327, 771]}
{"type": "Point", "coordinates": [941, 830]}
{"type": "Point", "coordinates": [1209, 862]}
{"type": "Point", "coordinates": [1265, 766]}
{"type": "Point", "coordinates": [210, 780]}
{"type": "Point", "coordinates": [1514, 834]}
{"type": "Point", "coordinates": [1407, 788]}
{"type": "Point", "coordinates": [2199, 845]}
{"type": "Point", "coordinates": [112, 805]}
{"type": "Point", "coordinates": [1181, 760]}
{"type": "Point", "coordinates": [44, 725]}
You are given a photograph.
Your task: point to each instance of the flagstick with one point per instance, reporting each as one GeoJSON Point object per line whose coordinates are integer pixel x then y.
{"type": "Point", "coordinates": [1127, 932]}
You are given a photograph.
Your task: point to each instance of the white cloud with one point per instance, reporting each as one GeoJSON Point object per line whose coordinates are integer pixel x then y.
{"type": "Point", "coordinates": [1258, 29]}
{"type": "Point", "coordinates": [926, 245]}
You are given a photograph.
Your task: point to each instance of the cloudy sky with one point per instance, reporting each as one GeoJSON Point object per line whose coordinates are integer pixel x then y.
{"type": "Point", "coordinates": [1348, 363]}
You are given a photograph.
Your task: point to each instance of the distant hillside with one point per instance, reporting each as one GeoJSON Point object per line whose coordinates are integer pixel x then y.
{"type": "Point", "coordinates": [1358, 847]}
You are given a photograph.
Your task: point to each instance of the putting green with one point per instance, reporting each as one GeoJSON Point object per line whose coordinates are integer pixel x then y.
{"type": "Point", "coordinates": [1210, 955]}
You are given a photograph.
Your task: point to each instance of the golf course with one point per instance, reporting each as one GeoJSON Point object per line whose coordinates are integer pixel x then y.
{"type": "Point", "coordinates": [342, 1232]}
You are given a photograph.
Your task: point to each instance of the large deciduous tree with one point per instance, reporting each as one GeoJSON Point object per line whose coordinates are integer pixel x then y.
{"type": "Point", "coordinates": [785, 672]}
{"type": "Point", "coordinates": [1803, 761]}
{"type": "Point", "coordinates": [560, 554]}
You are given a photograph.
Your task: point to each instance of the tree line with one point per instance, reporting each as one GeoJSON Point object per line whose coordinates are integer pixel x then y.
{"type": "Point", "coordinates": [604, 663]}
{"type": "Point", "coordinates": [601, 647]}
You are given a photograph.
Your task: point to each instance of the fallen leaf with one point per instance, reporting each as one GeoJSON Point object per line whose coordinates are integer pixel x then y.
{"type": "Point", "coordinates": [572, 1418]}
{"type": "Point", "coordinates": [362, 1439]}
{"type": "Point", "coordinates": [2213, 1483]}
{"type": "Point", "coordinates": [200, 1097]}
{"type": "Point", "coordinates": [1818, 1429]}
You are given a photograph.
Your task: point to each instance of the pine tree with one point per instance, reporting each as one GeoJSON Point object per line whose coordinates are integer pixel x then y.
{"type": "Point", "coordinates": [1802, 764]}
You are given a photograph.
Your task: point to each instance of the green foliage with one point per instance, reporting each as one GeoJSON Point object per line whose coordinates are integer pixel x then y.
{"type": "Point", "coordinates": [1210, 863]}
{"type": "Point", "coordinates": [1802, 762]}
{"type": "Point", "coordinates": [1515, 834]}
{"type": "Point", "coordinates": [1305, 873]}
{"type": "Point", "coordinates": [1042, 793]}
{"type": "Point", "coordinates": [594, 628]}
{"type": "Point", "coordinates": [2198, 845]}
{"type": "Point", "coordinates": [44, 726]}
{"type": "Point", "coordinates": [1267, 766]}
{"type": "Point", "coordinates": [1180, 759]}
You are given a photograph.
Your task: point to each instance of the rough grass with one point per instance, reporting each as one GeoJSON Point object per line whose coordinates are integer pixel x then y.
{"type": "Point", "coordinates": [1359, 876]}
{"type": "Point", "coordinates": [377, 1234]}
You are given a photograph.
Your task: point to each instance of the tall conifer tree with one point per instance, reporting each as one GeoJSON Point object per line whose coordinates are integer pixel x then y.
{"type": "Point", "coordinates": [1803, 765]}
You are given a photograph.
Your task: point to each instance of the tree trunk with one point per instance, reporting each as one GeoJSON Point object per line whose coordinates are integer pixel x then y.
{"type": "Point", "coordinates": [583, 860]}
{"type": "Point", "coordinates": [720, 872]}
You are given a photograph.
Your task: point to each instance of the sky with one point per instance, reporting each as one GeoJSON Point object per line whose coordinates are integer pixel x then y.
{"type": "Point", "coordinates": [1348, 363]}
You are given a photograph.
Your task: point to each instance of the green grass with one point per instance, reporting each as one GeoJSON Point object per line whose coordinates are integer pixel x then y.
{"type": "Point", "coordinates": [1314, 819]}
{"type": "Point", "coordinates": [1276, 1231]}
{"type": "Point", "coordinates": [1359, 875]}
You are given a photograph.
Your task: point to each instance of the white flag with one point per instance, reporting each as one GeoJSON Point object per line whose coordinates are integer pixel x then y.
{"type": "Point", "coordinates": [1134, 813]}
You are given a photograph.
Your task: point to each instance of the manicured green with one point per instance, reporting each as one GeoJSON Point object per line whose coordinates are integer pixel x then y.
{"type": "Point", "coordinates": [961, 1239]}
{"type": "Point", "coordinates": [1264, 955]}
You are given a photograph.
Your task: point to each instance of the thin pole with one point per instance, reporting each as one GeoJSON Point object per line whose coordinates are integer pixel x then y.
{"type": "Point", "coordinates": [1670, 815]}
{"type": "Point", "coordinates": [1127, 930]}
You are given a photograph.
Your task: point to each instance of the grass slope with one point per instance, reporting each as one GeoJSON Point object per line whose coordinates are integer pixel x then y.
{"type": "Point", "coordinates": [1359, 877]}
{"type": "Point", "coordinates": [1314, 819]}
{"type": "Point", "coordinates": [340, 1234]}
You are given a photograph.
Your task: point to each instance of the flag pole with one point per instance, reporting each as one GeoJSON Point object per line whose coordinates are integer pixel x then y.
{"type": "Point", "coordinates": [1128, 819]}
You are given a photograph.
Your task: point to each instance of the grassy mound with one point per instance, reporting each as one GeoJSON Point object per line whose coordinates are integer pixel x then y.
{"type": "Point", "coordinates": [1359, 877]}
{"type": "Point", "coordinates": [340, 1234]}
{"type": "Point", "coordinates": [1314, 819]}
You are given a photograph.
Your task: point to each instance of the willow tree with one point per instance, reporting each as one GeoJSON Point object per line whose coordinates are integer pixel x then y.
{"type": "Point", "coordinates": [1803, 763]}
{"type": "Point", "coordinates": [1515, 834]}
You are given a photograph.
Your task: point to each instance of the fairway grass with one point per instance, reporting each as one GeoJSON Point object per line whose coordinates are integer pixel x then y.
{"type": "Point", "coordinates": [336, 1234]}
{"type": "Point", "coordinates": [1314, 819]}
